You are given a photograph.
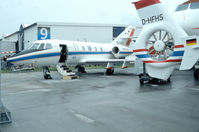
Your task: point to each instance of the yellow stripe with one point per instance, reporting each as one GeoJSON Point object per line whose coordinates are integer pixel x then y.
{"type": "Point", "coordinates": [190, 44]}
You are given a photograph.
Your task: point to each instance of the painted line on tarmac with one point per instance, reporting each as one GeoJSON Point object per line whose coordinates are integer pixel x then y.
{"type": "Point", "coordinates": [195, 89]}
{"type": "Point", "coordinates": [83, 117]}
{"type": "Point", "coordinates": [31, 91]}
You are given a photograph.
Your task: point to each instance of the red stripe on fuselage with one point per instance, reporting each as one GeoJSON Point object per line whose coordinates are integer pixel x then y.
{"type": "Point", "coordinates": [195, 28]}
{"type": "Point", "coordinates": [179, 46]}
{"type": "Point", "coordinates": [140, 50]}
{"type": "Point", "coordinates": [144, 3]}
{"type": "Point", "coordinates": [176, 60]}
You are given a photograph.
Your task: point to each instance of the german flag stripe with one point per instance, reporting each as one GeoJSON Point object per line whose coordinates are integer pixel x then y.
{"type": "Point", "coordinates": [191, 42]}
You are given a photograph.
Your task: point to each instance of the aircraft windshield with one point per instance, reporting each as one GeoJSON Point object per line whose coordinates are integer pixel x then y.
{"type": "Point", "coordinates": [182, 7]}
{"type": "Point", "coordinates": [194, 5]}
{"type": "Point", "coordinates": [49, 46]}
{"type": "Point", "coordinates": [41, 46]}
{"type": "Point", "coordinates": [34, 46]}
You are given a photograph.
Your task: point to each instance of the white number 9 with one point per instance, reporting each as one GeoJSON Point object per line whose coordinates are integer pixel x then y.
{"type": "Point", "coordinates": [44, 33]}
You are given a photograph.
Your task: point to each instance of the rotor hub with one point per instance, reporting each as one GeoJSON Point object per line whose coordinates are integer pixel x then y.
{"type": "Point", "coordinates": [159, 45]}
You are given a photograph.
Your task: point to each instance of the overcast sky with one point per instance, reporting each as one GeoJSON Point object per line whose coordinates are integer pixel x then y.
{"type": "Point", "coordinates": [17, 12]}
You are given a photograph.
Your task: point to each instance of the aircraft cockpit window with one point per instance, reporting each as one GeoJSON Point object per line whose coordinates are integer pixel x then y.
{"type": "Point", "coordinates": [41, 46]}
{"type": "Point", "coordinates": [34, 46]}
{"type": "Point", "coordinates": [194, 5]}
{"type": "Point", "coordinates": [49, 46]}
{"type": "Point", "coordinates": [182, 7]}
{"type": "Point", "coordinates": [89, 48]}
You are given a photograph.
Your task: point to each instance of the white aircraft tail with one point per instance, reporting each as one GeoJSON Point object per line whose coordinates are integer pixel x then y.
{"type": "Point", "coordinates": [160, 44]}
{"type": "Point", "coordinates": [128, 36]}
{"type": "Point", "coordinates": [191, 55]}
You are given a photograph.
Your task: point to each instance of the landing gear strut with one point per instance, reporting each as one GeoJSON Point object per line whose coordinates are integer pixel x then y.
{"type": "Point", "coordinates": [196, 73]}
{"type": "Point", "coordinates": [109, 71]}
{"type": "Point", "coordinates": [46, 73]}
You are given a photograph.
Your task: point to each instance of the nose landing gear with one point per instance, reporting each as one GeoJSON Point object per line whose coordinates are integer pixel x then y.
{"type": "Point", "coordinates": [46, 73]}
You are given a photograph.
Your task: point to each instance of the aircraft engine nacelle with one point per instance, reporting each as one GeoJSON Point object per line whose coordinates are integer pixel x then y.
{"type": "Point", "coordinates": [121, 51]}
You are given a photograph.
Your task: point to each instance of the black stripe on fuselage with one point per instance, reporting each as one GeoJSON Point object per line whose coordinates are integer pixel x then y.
{"type": "Point", "coordinates": [26, 52]}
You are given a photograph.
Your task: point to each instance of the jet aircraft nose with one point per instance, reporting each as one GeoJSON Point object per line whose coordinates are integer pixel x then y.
{"type": "Point", "coordinates": [22, 54]}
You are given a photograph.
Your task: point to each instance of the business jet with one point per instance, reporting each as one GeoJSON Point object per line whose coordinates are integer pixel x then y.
{"type": "Point", "coordinates": [63, 53]}
{"type": "Point", "coordinates": [165, 42]}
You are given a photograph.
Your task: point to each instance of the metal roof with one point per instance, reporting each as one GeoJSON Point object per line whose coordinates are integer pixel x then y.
{"type": "Point", "coordinates": [66, 24]}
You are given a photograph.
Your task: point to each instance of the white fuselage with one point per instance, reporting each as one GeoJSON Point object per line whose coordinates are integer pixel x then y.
{"type": "Point", "coordinates": [188, 16]}
{"type": "Point", "coordinates": [78, 53]}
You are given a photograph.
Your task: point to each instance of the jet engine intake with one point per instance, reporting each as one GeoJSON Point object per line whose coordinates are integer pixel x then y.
{"type": "Point", "coordinates": [121, 51]}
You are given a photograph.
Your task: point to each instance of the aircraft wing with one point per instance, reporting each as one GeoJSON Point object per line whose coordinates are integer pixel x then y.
{"type": "Point", "coordinates": [103, 61]}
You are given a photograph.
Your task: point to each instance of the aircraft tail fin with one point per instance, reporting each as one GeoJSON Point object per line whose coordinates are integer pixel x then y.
{"type": "Point", "coordinates": [160, 44]}
{"type": "Point", "coordinates": [151, 11]}
{"type": "Point", "coordinates": [129, 35]}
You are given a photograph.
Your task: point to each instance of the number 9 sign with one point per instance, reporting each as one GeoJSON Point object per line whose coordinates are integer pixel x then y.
{"type": "Point", "coordinates": [43, 33]}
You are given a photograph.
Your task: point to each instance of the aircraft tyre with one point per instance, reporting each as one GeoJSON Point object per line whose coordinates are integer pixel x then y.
{"type": "Point", "coordinates": [81, 69]}
{"type": "Point", "coordinates": [141, 81]}
{"type": "Point", "coordinates": [47, 76]}
{"type": "Point", "coordinates": [46, 73]}
{"type": "Point", "coordinates": [109, 71]}
{"type": "Point", "coordinates": [147, 79]}
{"type": "Point", "coordinates": [196, 73]}
{"type": "Point", "coordinates": [144, 79]}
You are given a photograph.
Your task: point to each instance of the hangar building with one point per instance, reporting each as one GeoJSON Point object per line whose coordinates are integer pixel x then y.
{"type": "Point", "coordinates": [21, 39]}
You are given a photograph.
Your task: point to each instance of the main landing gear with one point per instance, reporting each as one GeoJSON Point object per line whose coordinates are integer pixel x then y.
{"type": "Point", "coordinates": [46, 73]}
{"type": "Point", "coordinates": [196, 73]}
{"type": "Point", "coordinates": [109, 71]}
{"type": "Point", "coordinates": [145, 78]}
{"type": "Point", "coordinates": [81, 69]}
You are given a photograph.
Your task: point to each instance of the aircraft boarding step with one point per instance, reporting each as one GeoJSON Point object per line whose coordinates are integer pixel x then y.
{"type": "Point", "coordinates": [66, 72]}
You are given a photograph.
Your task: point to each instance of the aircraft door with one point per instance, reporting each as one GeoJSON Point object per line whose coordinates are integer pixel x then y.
{"type": "Point", "coordinates": [63, 53]}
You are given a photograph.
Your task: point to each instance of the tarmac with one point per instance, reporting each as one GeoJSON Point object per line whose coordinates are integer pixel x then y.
{"type": "Point", "coordinates": [99, 103]}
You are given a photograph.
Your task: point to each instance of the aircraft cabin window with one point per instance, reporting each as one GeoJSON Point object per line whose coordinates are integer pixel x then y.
{"type": "Point", "coordinates": [182, 7]}
{"type": "Point", "coordinates": [194, 5]}
{"type": "Point", "coordinates": [89, 48]}
{"type": "Point", "coordinates": [77, 48]}
{"type": "Point", "coordinates": [41, 46]}
{"type": "Point", "coordinates": [34, 46]}
{"type": "Point", "coordinates": [101, 49]}
{"type": "Point", "coordinates": [83, 48]}
{"type": "Point", "coordinates": [95, 48]}
{"type": "Point", "coordinates": [49, 46]}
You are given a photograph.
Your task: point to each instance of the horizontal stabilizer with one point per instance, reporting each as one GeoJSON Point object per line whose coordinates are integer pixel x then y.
{"type": "Point", "coordinates": [103, 61]}
{"type": "Point", "coordinates": [127, 36]}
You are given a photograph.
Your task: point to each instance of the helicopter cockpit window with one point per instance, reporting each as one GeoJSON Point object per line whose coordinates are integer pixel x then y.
{"type": "Point", "coordinates": [182, 7]}
{"type": "Point", "coordinates": [194, 5]}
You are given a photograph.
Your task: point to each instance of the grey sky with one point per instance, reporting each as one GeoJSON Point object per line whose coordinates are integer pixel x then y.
{"type": "Point", "coordinates": [17, 12]}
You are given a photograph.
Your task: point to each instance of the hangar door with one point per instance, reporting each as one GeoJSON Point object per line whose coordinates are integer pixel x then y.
{"type": "Point", "coordinates": [117, 31]}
